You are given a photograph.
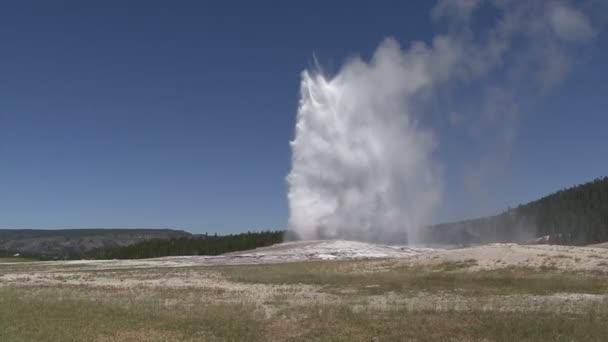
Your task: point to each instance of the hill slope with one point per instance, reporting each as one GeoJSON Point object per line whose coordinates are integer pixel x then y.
{"type": "Point", "coordinates": [577, 216]}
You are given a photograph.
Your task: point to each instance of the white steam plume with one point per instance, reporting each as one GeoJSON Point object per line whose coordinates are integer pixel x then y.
{"type": "Point", "coordinates": [364, 165]}
{"type": "Point", "coordinates": [357, 148]}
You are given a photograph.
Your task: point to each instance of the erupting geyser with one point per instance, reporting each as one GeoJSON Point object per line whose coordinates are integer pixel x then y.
{"type": "Point", "coordinates": [362, 167]}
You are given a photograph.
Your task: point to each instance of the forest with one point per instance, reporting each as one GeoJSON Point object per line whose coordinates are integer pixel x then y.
{"type": "Point", "coordinates": [574, 216]}
{"type": "Point", "coordinates": [196, 245]}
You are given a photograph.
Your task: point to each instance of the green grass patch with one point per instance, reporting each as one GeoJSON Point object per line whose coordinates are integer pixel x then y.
{"type": "Point", "coordinates": [341, 323]}
{"type": "Point", "coordinates": [336, 276]}
{"type": "Point", "coordinates": [69, 315]}
{"type": "Point", "coordinates": [15, 259]}
{"type": "Point", "coordinates": [79, 315]}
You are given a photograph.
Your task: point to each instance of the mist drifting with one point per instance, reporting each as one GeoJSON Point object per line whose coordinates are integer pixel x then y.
{"type": "Point", "coordinates": [364, 161]}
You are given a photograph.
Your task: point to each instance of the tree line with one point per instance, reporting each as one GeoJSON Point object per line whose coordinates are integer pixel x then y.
{"type": "Point", "coordinates": [196, 245]}
{"type": "Point", "coordinates": [574, 216]}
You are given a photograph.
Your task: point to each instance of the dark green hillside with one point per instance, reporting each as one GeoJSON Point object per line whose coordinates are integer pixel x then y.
{"type": "Point", "coordinates": [577, 215]}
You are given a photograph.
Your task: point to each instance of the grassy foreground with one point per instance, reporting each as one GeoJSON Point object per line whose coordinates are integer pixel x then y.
{"type": "Point", "coordinates": [51, 315]}
{"type": "Point", "coordinates": [94, 311]}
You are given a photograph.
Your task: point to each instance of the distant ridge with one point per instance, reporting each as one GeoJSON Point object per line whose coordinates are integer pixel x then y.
{"type": "Point", "coordinates": [67, 242]}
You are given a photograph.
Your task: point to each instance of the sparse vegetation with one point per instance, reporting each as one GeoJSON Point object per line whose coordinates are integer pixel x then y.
{"type": "Point", "coordinates": [457, 265]}
{"type": "Point", "coordinates": [330, 301]}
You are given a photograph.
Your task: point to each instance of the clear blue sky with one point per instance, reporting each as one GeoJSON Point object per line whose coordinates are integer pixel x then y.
{"type": "Point", "coordinates": [179, 113]}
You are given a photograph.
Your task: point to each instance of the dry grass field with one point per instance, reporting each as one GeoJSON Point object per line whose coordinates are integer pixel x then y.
{"type": "Point", "coordinates": [488, 293]}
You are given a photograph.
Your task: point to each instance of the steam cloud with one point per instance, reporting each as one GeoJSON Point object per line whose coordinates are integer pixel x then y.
{"type": "Point", "coordinates": [364, 164]}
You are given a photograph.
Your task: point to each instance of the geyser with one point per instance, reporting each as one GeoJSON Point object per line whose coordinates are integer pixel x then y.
{"type": "Point", "coordinates": [362, 167]}
{"type": "Point", "coordinates": [364, 164]}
